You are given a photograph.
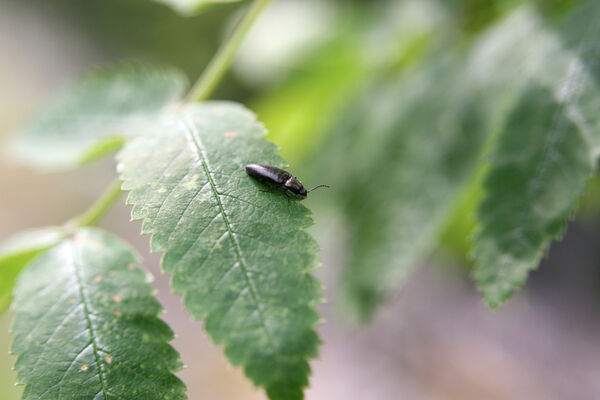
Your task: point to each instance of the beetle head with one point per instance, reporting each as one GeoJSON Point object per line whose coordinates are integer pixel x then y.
{"type": "Point", "coordinates": [294, 186]}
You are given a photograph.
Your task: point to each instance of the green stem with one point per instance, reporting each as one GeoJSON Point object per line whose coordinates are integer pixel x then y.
{"type": "Point", "coordinates": [96, 210]}
{"type": "Point", "coordinates": [201, 90]}
{"type": "Point", "coordinates": [219, 64]}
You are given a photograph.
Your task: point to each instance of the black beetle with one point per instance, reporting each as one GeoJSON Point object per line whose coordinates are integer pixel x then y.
{"type": "Point", "coordinates": [279, 177]}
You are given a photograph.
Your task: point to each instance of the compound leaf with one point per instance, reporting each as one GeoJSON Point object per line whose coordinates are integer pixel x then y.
{"type": "Point", "coordinates": [87, 325]}
{"type": "Point", "coordinates": [239, 255]}
{"type": "Point", "coordinates": [18, 251]}
{"type": "Point", "coordinates": [95, 116]}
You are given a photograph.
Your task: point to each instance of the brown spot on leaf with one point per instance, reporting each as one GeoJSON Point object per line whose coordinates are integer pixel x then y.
{"type": "Point", "coordinates": [229, 134]}
{"type": "Point", "coordinates": [117, 313]}
{"type": "Point", "coordinates": [84, 367]}
{"type": "Point", "coordinates": [97, 279]}
{"type": "Point", "coordinates": [115, 297]}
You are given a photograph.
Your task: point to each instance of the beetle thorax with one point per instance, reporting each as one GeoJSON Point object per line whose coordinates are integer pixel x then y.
{"type": "Point", "coordinates": [293, 184]}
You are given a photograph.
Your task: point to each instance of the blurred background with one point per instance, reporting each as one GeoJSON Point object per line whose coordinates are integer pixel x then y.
{"type": "Point", "coordinates": [309, 69]}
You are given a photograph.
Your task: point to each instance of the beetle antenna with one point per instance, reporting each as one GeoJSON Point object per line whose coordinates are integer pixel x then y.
{"type": "Point", "coordinates": [318, 186]}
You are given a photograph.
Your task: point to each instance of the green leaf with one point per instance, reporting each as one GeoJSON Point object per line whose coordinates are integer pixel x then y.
{"type": "Point", "coordinates": [191, 7]}
{"type": "Point", "coordinates": [579, 33]}
{"type": "Point", "coordinates": [401, 157]}
{"type": "Point", "coordinates": [239, 255]}
{"type": "Point", "coordinates": [86, 325]}
{"type": "Point", "coordinates": [539, 168]}
{"type": "Point", "coordinates": [95, 116]}
{"type": "Point", "coordinates": [510, 56]}
{"type": "Point", "coordinates": [17, 251]}
{"type": "Point", "coordinates": [544, 157]}
{"type": "Point", "coordinates": [456, 234]}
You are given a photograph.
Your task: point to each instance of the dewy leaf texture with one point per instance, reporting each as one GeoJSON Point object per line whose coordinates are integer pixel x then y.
{"type": "Point", "coordinates": [17, 251]}
{"type": "Point", "coordinates": [87, 326]}
{"type": "Point", "coordinates": [95, 116]}
{"type": "Point", "coordinates": [239, 255]}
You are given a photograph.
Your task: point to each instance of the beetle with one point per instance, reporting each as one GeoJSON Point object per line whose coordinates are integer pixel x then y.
{"type": "Point", "coordinates": [277, 176]}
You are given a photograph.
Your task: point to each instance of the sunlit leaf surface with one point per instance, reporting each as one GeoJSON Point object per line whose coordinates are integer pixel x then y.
{"type": "Point", "coordinates": [17, 251]}
{"type": "Point", "coordinates": [87, 325]}
{"type": "Point", "coordinates": [95, 116]}
{"type": "Point", "coordinates": [239, 255]}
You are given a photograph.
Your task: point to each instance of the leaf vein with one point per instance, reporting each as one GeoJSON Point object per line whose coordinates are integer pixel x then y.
{"type": "Point", "coordinates": [199, 236]}
{"type": "Point", "coordinates": [52, 336]}
{"type": "Point", "coordinates": [88, 320]}
{"type": "Point", "coordinates": [180, 219]}
{"type": "Point", "coordinates": [247, 202]}
{"type": "Point", "coordinates": [162, 204]}
{"type": "Point", "coordinates": [190, 131]}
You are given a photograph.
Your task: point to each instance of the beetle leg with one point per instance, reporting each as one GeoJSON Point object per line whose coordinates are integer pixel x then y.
{"type": "Point", "coordinates": [288, 200]}
{"type": "Point", "coordinates": [269, 190]}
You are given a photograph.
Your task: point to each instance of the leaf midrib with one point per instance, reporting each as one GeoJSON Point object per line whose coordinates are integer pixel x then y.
{"type": "Point", "coordinates": [88, 321]}
{"type": "Point", "coordinates": [191, 131]}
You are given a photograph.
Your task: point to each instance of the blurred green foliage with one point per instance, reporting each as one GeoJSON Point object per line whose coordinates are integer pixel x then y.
{"type": "Point", "coordinates": [398, 108]}
{"type": "Point", "coordinates": [409, 155]}
{"type": "Point", "coordinates": [297, 111]}
{"type": "Point", "coordinates": [95, 116]}
{"type": "Point", "coordinates": [191, 7]}
{"type": "Point", "coordinates": [145, 30]}
{"type": "Point", "coordinates": [466, 124]}
{"type": "Point", "coordinates": [18, 251]}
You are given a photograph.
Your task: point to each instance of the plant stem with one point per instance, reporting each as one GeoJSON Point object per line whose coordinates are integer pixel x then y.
{"type": "Point", "coordinates": [219, 64]}
{"type": "Point", "coordinates": [96, 210]}
{"type": "Point", "coordinates": [202, 89]}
